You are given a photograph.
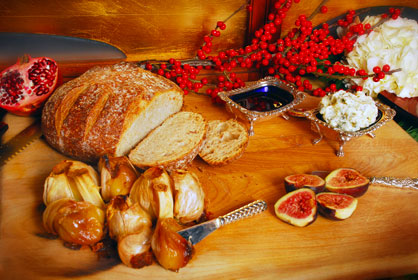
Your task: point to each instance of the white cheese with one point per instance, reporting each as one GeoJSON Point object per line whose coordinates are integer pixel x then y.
{"type": "Point", "coordinates": [348, 111]}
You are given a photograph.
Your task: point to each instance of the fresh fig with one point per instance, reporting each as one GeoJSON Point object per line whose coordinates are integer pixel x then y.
{"type": "Point", "coordinates": [347, 181]}
{"type": "Point", "coordinates": [335, 205]}
{"type": "Point", "coordinates": [297, 208]}
{"type": "Point", "coordinates": [297, 181]}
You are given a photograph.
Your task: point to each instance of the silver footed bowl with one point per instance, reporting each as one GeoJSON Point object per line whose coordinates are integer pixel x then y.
{"type": "Point", "coordinates": [318, 125]}
{"type": "Point", "coordinates": [262, 100]}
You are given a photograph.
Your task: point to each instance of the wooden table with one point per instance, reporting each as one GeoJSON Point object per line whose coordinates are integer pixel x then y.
{"type": "Point", "coordinates": [379, 240]}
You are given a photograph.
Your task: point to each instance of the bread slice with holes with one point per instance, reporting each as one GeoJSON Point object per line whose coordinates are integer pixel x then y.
{"type": "Point", "coordinates": [225, 142]}
{"type": "Point", "coordinates": [108, 110]}
{"type": "Point", "coordinates": [172, 145]}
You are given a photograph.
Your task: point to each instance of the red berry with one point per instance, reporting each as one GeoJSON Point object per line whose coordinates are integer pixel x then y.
{"type": "Point", "coordinates": [376, 69]}
{"type": "Point", "coordinates": [386, 68]}
{"type": "Point", "coordinates": [381, 75]}
{"type": "Point", "coordinates": [324, 9]}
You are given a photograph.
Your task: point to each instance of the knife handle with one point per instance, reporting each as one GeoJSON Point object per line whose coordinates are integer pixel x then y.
{"type": "Point", "coordinates": [407, 183]}
{"type": "Point", "coordinates": [3, 128]}
{"type": "Point", "coordinates": [248, 210]}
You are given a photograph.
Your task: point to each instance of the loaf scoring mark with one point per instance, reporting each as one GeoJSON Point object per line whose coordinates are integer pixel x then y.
{"type": "Point", "coordinates": [97, 109]}
{"type": "Point", "coordinates": [66, 104]}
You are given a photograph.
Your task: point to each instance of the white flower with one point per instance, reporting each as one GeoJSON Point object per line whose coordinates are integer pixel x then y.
{"type": "Point", "coordinates": [395, 42]}
{"type": "Point", "coordinates": [348, 111]}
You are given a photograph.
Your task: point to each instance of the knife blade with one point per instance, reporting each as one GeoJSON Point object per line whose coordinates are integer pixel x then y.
{"type": "Point", "coordinates": [19, 142]}
{"type": "Point", "coordinates": [60, 48]}
{"type": "Point", "coordinates": [198, 232]}
{"type": "Point", "coordinates": [402, 183]}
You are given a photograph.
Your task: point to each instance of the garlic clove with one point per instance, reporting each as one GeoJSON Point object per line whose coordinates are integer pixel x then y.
{"type": "Point", "coordinates": [76, 222]}
{"type": "Point", "coordinates": [153, 191]}
{"type": "Point", "coordinates": [117, 176]}
{"type": "Point", "coordinates": [134, 249]}
{"type": "Point", "coordinates": [88, 190]}
{"type": "Point", "coordinates": [170, 249]}
{"type": "Point", "coordinates": [125, 217]}
{"type": "Point", "coordinates": [189, 197]}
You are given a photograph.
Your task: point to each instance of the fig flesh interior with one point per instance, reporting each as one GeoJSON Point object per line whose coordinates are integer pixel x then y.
{"type": "Point", "coordinates": [347, 181]}
{"type": "Point", "coordinates": [297, 208]}
{"type": "Point", "coordinates": [335, 205]}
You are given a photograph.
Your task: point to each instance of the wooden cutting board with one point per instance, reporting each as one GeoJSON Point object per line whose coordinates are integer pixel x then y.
{"type": "Point", "coordinates": [379, 240]}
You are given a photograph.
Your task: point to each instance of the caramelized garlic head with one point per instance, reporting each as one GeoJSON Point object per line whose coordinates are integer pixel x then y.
{"type": "Point", "coordinates": [76, 222]}
{"type": "Point", "coordinates": [170, 249]}
{"type": "Point", "coordinates": [125, 217]}
{"type": "Point", "coordinates": [117, 176]}
{"type": "Point", "coordinates": [75, 180]}
{"type": "Point", "coordinates": [134, 249]}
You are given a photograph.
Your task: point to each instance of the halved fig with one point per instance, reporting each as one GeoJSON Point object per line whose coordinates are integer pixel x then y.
{"type": "Point", "coordinates": [297, 181]}
{"type": "Point", "coordinates": [297, 208]}
{"type": "Point", "coordinates": [347, 181]}
{"type": "Point", "coordinates": [336, 205]}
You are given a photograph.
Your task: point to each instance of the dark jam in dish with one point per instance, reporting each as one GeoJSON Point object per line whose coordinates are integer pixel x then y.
{"type": "Point", "coordinates": [263, 99]}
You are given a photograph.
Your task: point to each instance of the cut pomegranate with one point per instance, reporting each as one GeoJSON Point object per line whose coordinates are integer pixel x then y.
{"type": "Point", "coordinates": [26, 85]}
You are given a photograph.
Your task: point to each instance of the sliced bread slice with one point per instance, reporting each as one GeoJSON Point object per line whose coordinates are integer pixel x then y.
{"type": "Point", "coordinates": [225, 142]}
{"type": "Point", "coordinates": [173, 144]}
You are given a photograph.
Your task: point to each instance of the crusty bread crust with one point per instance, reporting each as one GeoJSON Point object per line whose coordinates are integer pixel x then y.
{"type": "Point", "coordinates": [225, 141]}
{"type": "Point", "coordinates": [173, 145]}
{"type": "Point", "coordinates": [89, 116]}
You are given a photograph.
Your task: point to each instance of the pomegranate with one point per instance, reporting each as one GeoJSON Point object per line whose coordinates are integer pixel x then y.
{"type": "Point", "coordinates": [26, 85]}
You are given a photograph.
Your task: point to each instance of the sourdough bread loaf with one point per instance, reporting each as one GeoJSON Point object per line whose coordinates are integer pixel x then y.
{"type": "Point", "coordinates": [108, 110]}
{"type": "Point", "coordinates": [172, 145]}
{"type": "Point", "coordinates": [225, 141]}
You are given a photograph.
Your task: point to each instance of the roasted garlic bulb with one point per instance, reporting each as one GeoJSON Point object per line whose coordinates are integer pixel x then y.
{"type": "Point", "coordinates": [171, 250]}
{"type": "Point", "coordinates": [75, 180]}
{"type": "Point", "coordinates": [125, 217]}
{"type": "Point", "coordinates": [189, 198]}
{"type": "Point", "coordinates": [134, 249]}
{"type": "Point", "coordinates": [77, 222]}
{"type": "Point", "coordinates": [117, 176]}
{"type": "Point", "coordinates": [153, 191]}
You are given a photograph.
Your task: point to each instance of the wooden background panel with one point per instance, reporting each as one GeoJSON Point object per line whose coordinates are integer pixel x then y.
{"type": "Point", "coordinates": [160, 29]}
{"type": "Point", "coordinates": [142, 29]}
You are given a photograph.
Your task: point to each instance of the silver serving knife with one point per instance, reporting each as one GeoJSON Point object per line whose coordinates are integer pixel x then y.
{"type": "Point", "coordinates": [196, 233]}
{"type": "Point", "coordinates": [401, 183]}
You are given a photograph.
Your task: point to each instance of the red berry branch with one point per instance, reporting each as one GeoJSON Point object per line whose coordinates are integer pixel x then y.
{"type": "Point", "coordinates": [304, 52]}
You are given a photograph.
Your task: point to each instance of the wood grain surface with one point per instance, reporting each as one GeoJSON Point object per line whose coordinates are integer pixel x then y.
{"type": "Point", "coordinates": [379, 240]}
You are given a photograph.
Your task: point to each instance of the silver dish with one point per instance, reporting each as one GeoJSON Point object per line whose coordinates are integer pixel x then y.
{"type": "Point", "coordinates": [293, 97]}
{"type": "Point", "coordinates": [319, 126]}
